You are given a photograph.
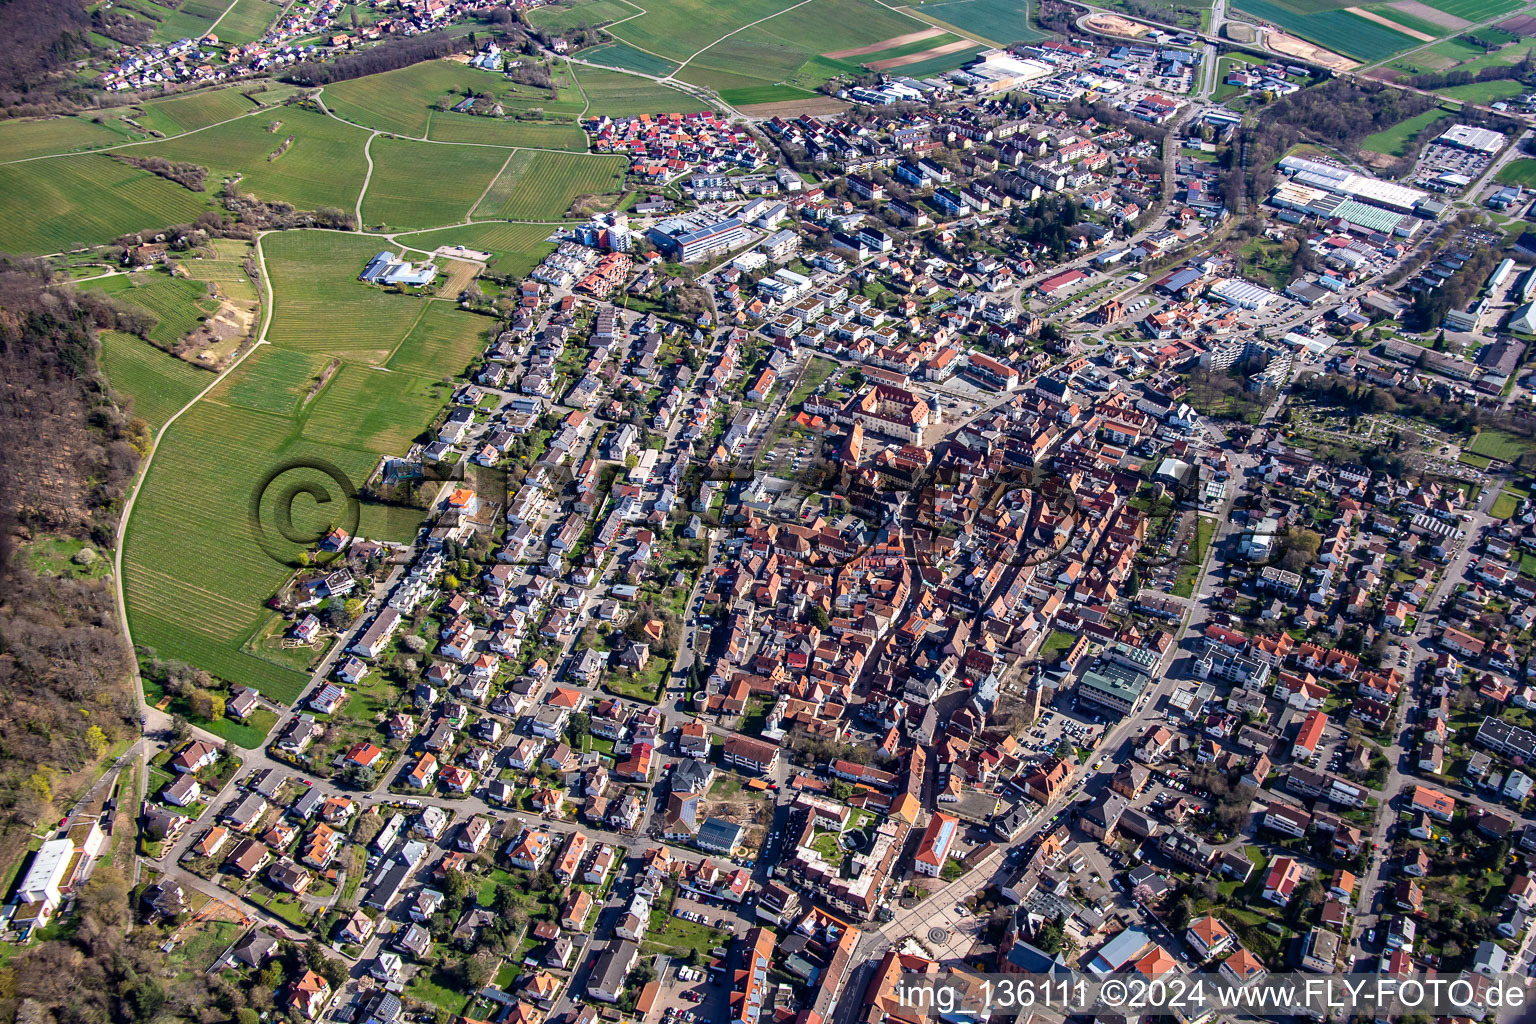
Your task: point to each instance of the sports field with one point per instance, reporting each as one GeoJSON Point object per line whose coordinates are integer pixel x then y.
{"type": "Point", "coordinates": [1332, 27]}
{"type": "Point", "coordinates": [424, 184]}
{"type": "Point", "coordinates": [157, 383]}
{"type": "Point", "coordinates": [615, 94]}
{"type": "Point", "coordinates": [563, 17]}
{"type": "Point", "coordinates": [540, 186]}
{"type": "Point", "coordinates": [20, 139]}
{"type": "Point", "coordinates": [247, 20]}
{"type": "Point", "coordinates": [516, 248]}
{"type": "Point", "coordinates": [74, 201]}
{"type": "Point", "coordinates": [1001, 21]}
{"type": "Point", "coordinates": [309, 160]}
{"type": "Point", "coordinates": [176, 303]}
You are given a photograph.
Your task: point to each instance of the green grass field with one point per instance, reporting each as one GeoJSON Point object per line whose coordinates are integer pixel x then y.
{"type": "Point", "coordinates": [74, 201]}
{"type": "Point", "coordinates": [310, 160]}
{"type": "Point", "coordinates": [314, 277]}
{"type": "Point", "coordinates": [1496, 444]}
{"type": "Point", "coordinates": [22, 139]}
{"type": "Point", "coordinates": [195, 573]}
{"type": "Point", "coordinates": [442, 343]}
{"type": "Point", "coordinates": [1001, 21]}
{"type": "Point", "coordinates": [1339, 30]}
{"type": "Point", "coordinates": [516, 248]}
{"type": "Point", "coordinates": [938, 65]}
{"type": "Point", "coordinates": [367, 407]}
{"type": "Point", "coordinates": [198, 110]}
{"type": "Point", "coordinates": [564, 17]}
{"type": "Point", "coordinates": [157, 383]}
{"type": "Point", "coordinates": [1484, 92]}
{"type": "Point", "coordinates": [191, 20]}
{"type": "Point", "coordinates": [402, 101]}
{"type": "Point", "coordinates": [540, 186]}
{"type": "Point", "coordinates": [247, 21]}
{"type": "Point", "coordinates": [786, 50]}
{"type": "Point", "coordinates": [1394, 141]}
{"type": "Point", "coordinates": [1476, 10]}
{"type": "Point", "coordinates": [1518, 172]}
{"type": "Point", "coordinates": [505, 131]}
{"type": "Point", "coordinates": [276, 380]}
{"type": "Point", "coordinates": [615, 94]}
{"type": "Point", "coordinates": [765, 94]}
{"type": "Point", "coordinates": [627, 58]}
{"type": "Point", "coordinates": [176, 302]}
{"type": "Point", "coordinates": [677, 30]}
{"type": "Point", "coordinates": [422, 184]}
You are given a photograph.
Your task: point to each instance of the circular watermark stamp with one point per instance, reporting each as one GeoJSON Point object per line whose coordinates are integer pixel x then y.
{"type": "Point", "coordinates": [325, 528]}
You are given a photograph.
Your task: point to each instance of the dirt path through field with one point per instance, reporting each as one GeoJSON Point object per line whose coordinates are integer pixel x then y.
{"type": "Point", "coordinates": [1389, 23]}
{"type": "Point", "coordinates": [885, 44]}
{"type": "Point", "coordinates": [918, 58]}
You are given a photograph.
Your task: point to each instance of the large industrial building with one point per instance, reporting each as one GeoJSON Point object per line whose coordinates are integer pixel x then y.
{"type": "Point", "coordinates": [1344, 182]}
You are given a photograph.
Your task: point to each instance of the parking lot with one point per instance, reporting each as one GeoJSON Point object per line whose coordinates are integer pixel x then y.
{"type": "Point", "coordinates": [1057, 725]}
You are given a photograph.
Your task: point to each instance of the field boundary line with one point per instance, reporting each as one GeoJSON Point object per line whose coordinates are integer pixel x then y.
{"type": "Point", "coordinates": [225, 15]}
{"type": "Point", "coordinates": [734, 31]}
{"type": "Point", "coordinates": [142, 142]}
{"type": "Point", "coordinates": [938, 22]}
{"type": "Point", "coordinates": [489, 185]}
{"type": "Point", "coordinates": [414, 324]}
{"type": "Point", "coordinates": [149, 458]}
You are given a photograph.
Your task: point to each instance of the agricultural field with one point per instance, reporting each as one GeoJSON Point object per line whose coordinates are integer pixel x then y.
{"type": "Point", "coordinates": [615, 94]}
{"type": "Point", "coordinates": [506, 131]}
{"type": "Point", "coordinates": [564, 17]}
{"type": "Point", "coordinates": [516, 248]}
{"type": "Point", "coordinates": [1518, 172]}
{"type": "Point", "coordinates": [442, 343]}
{"type": "Point", "coordinates": [1000, 21]}
{"type": "Point", "coordinates": [368, 408]}
{"type": "Point", "coordinates": [938, 65]}
{"type": "Point", "coordinates": [677, 30]}
{"type": "Point", "coordinates": [75, 201]}
{"type": "Point", "coordinates": [157, 383]}
{"type": "Point", "coordinates": [194, 575]}
{"type": "Point", "coordinates": [1327, 25]}
{"type": "Point", "coordinates": [1394, 141]}
{"type": "Point", "coordinates": [198, 110]}
{"type": "Point", "coordinates": [1483, 92]}
{"type": "Point", "coordinates": [309, 160]}
{"type": "Point", "coordinates": [627, 58]}
{"type": "Point", "coordinates": [226, 268]}
{"type": "Point", "coordinates": [540, 186]}
{"type": "Point", "coordinates": [314, 279]}
{"type": "Point", "coordinates": [247, 21]}
{"type": "Point", "coordinates": [21, 139]}
{"type": "Point", "coordinates": [402, 101]}
{"type": "Point", "coordinates": [191, 20]}
{"type": "Point", "coordinates": [176, 303]}
{"type": "Point", "coordinates": [1459, 55]}
{"type": "Point", "coordinates": [1476, 10]}
{"type": "Point", "coordinates": [272, 380]}
{"type": "Point", "coordinates": [788, 50]}
{"type": "Point", "coordinates": [425, 184]}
